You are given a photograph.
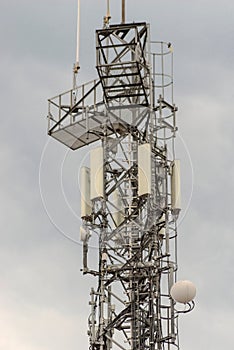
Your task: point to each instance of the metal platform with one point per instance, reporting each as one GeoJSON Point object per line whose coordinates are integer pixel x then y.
{"type": "Point", "coordinates": [79, 117]}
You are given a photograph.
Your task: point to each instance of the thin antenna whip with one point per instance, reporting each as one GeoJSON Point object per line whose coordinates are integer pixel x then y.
{"type": "Point", "coordinates": [78, 33]}
{"type": "Point", "coordinates": [77, 64]}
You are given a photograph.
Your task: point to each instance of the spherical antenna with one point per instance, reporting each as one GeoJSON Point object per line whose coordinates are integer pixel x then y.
{"type": "Point", "coordinates": [183, 291]}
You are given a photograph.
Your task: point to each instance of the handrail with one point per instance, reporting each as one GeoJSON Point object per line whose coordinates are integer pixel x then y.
{"type": "Point", "coordinates": [73, 107]}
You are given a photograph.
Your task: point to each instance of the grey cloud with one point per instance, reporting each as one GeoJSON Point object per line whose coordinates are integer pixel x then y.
{"type": "Point", "coordinates": [44, 296]}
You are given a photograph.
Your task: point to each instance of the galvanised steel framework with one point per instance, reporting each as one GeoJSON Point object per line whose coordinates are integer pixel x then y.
{"type": "Point", "coordinates": [130, 105]}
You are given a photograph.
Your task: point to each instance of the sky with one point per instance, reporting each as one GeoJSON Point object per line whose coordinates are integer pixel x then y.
{"type": "Point", "coordinates": [43, 295]}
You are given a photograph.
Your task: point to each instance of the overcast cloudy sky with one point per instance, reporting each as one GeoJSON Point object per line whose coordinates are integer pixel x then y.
{"type": "Point", "coordinates": [43, 296]}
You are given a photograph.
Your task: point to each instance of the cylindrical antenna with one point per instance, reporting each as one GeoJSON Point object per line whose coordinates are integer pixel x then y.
{"type": "Point", "coordinates": [108, 16]}
{"type": "Point", "coordinates": [77, 64]}
{"type": "Point", "coordinates": [78, 33]}
{"type": "Point", "coordinates": [123, 11]}
{"type": "Point", "coordinates": [108, 9]}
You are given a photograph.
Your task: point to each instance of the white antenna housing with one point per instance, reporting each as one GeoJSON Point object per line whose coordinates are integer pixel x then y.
{"type": "Point", "coordinates": [97, 174]}
{"type": "Point", "coordinates": [118, 215]}
{"type": "Point", "coordinates": [144, 169]}
{"type": "Point", "coordinates": [183, 291]}
{"type": "Point", "coordinates": [86, 205]}
{"type": "Point", "coordinates": [175, 187]}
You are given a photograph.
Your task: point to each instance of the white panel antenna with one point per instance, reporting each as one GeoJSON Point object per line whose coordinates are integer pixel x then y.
{"type": "Point", "coordinates": [175, 187]}
{"type": "Point", "coordinates": [144, 169]}
{"type": "Point", "coordinates": [86, 205]}
{"type": "Point", "coordinates": [97, 175]}
{"type": "Point", "coordinates": [118, 213]}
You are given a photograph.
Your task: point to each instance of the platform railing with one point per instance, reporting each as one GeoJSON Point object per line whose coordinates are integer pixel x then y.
{"type": "Point", "coordinates": [66, 108]}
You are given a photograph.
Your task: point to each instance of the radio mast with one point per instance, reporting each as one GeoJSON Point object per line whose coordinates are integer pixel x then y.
{"type": "Point", "coordinates": [130, 193]}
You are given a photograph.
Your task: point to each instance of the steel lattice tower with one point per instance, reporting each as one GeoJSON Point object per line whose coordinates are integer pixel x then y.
{"type": "Point", "coordinates": [130, 195]}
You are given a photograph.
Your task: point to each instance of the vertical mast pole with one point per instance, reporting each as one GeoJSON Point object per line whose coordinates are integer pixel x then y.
{"type": "Point", "coordinates": [108, 9]}
{"type": "Point", "coordinates": [77, 64]}
{"type": "Point", "coordinates": [107, 17]}
{"type": "Point", "coordinates": [123, 11]}
{"type": "Point", "coordinates": [78, 34]}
